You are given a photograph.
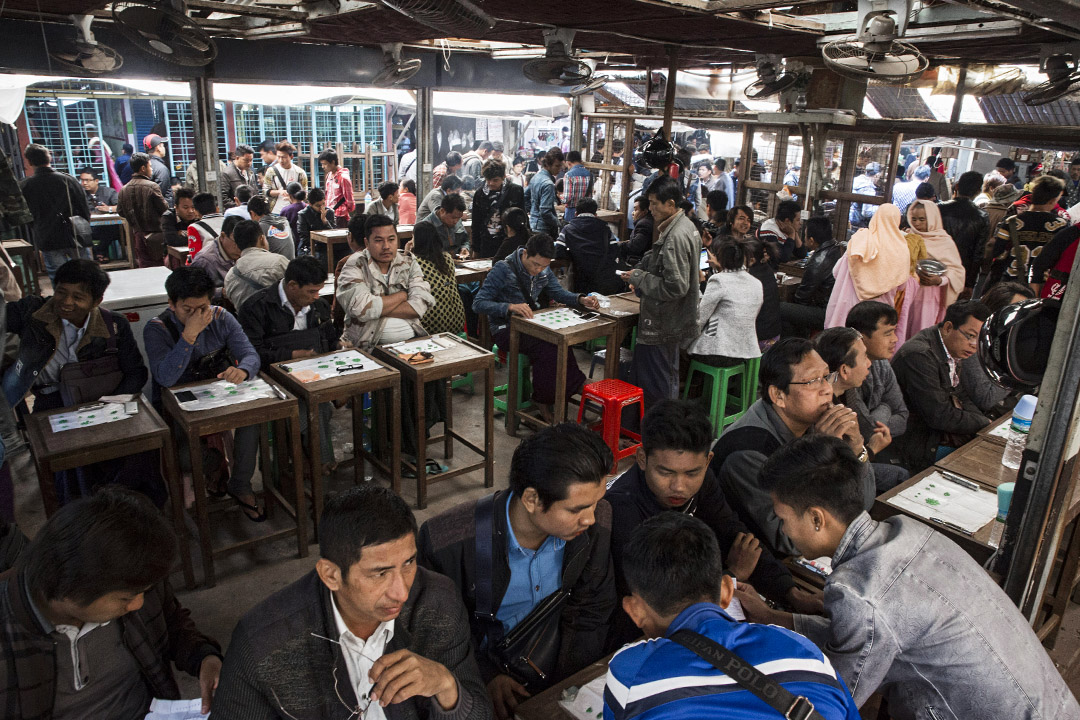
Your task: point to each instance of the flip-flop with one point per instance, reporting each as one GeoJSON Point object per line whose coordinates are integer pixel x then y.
{"type": "Point", "coordinates": [434, 468]}
{"type": "Point", "coordinates": [261, 517]}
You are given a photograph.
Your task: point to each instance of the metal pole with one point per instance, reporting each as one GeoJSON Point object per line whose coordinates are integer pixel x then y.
{"type": "Point", "coordinates": [204, 122]}
{"type": "Point", "coordinates": [425, 134]}
{"type": "Point", "coordinates": [669, 94]}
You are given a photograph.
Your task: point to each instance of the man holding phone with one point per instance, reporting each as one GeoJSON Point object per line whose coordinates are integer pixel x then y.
{"type": "Point", "coordinates": [192, 341]}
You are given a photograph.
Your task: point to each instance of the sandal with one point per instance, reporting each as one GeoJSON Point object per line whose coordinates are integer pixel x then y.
{"type": "Point", "coordinates": [245, 507]}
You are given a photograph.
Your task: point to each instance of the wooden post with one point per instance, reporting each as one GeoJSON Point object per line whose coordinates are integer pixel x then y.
{"type": "Point", "coordinates": [958, 97]}
{"type": "Point", "coordinates": [669, 95]}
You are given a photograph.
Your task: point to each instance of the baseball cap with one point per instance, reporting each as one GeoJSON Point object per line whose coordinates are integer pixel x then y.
{"type": "Point", "coordinates": [923, 172]}
{"type": "Point", "coordinates": [151, 141]}
{"type": "Point", "coordinates": [873, 168]}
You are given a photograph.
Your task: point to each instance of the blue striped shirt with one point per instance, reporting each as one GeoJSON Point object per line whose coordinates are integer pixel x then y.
{"type": "Point", "coordinates": [661, 679]}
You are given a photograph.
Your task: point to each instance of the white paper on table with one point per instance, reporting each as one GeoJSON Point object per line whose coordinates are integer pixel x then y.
{"type": "Point", "coordinates": [221, 393]}
{"type": "Point", "coordinates": [477, 264]}
{"type": "Point", "coordinates": [936, 497]}
{"type": "Point", "coordinates": [411, 347]}
{"type": "Point", "coordinates": [176, 710]}
{"type": "Point", "coordinates": [1001, 431]}
{"type": "Point", "coordinates": [557, 319]}
{"type": "Point", "coordinates": [327, 366]}
{"type": "Point", "coordinates": [588, 704]}
{"type": "Point", "coordinates": [111, 412]}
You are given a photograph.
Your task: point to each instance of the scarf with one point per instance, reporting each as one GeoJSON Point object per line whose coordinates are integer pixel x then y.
{"type": "Point", "coordinates": [878, 257]}
{"type": "Point", "coordinates": [940, 246]}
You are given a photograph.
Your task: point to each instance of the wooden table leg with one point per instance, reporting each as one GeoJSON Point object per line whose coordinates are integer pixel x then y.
{"type": "Point", "coordinates": [176, 499]}
{"type": "Point", "coordinates": [611, 361]}
{"type": "Point", "coordinates": [358, 439]}
{"type": "Point", "coordinates": [395, 436]}
{"type": "Point", "coordinates": [266, 470]}
{"type": "Point", "coordinates": [448, 421]}
{"type": "Point", "coordinates": [47, 483]}
{"type": "Point", "coordinates": [489, 426]}
{"type": "Point", "coordinates": [202, 512]}
{"type": "Point", "coordinates": [315, 460]}
{"type": "Point", "coordinates": [512, 382]}
{"type": "Point", "coordinates": [559, 412]}
{"type": "Point", "coordinates": [421, 448]}
{"type": "Point", "coordinates": [329, 257]}
{"type": "Point", "coordinates": [298, 479]}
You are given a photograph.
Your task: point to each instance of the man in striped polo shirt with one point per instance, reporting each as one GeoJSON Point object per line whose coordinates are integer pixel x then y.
{"type": "Point", "coordinates": [675, 575]}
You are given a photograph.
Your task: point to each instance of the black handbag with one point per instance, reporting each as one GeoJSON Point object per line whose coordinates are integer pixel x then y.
{"type": "Point", "coordinates": [530, 651]}
{"type": "Point", "coordinates": [790, 706]}
{"type": "Point", "coordinates": [88, 380]}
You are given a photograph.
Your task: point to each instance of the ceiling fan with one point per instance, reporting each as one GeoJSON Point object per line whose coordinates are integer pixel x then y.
{"type": "Point", "coordinates": [164, 30]}
{"type": "Point", "coordinates": [1062, 75]}
{"type": "Point", "coordinates": [558, 66]}
{"type": "Point", "coordinates": [772, 79]}
{"type": "Point", "coordinates": [84, 54]}
{"type": "Point", "coordinates": [876, 53]}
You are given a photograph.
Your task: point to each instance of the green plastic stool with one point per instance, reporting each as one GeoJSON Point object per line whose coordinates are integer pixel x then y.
{"type": "Point", "coordinates": [750, 381]}
{"type": "Point", "coordinates": [524, 385]}
{"type": "Point", "coordinates": [465, 380]}
{"type": "Point", "coordinates": [721, 378]}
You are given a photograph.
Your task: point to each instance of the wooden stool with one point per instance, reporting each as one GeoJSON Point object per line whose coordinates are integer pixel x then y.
{"type": "Point", "coordinates": [613, 396]}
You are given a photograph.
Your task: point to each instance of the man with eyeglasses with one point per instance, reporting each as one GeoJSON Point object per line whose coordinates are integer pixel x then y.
{"type": "Point", "coordinates": [367, 634]}
{"type": "Point", "coordinates": [942, 415]}
{"type": "Point", "coordinates": [796, 399]}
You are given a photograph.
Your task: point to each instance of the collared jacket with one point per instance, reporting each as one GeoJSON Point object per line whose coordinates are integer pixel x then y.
{"type": "Point", "coordinates": [484, 206]}
{"type": "Point", "coordinates": [935, 406]}
{"type": "Point", "coordinates": [503, 287]}
{"type": "Point", "coordinates": [254, 270]}
{"type": "Point", "coordinates": [232, 178]}
{"type": "Point", "coordinates": [632, 503]}
{"type": "Point", "coordinates": [47, 192]}
{"type": "Point", "coordinates": [284, 660]}
{"type": "Point", "coordinates": [912, 616]}
{"type": "Point", "coordinates": [589, 243]}
{"type": "Point", "coordinates": [640, 241]}
{"type": "Point", "coordinates": [667, 281]}
{"type": "Point", "coordinates": [214, 261]}
{"type": "Point", "coordinates": [447, 545]}
{"type": "Point", "coordinates": [35, 321]}
{"type": "Point", "coordinates": [159, 632]}
{"type": "Point", "coordinates": [660, 678]}
{"type": "Point", "coordinates": [278, 235]}
{"type": "Point", "coordinates": [879, 400]}
{"type": "Point", "coordinates": [142, 204]}
{"type": "Point", "coordinates": [817, 280]}
{"type": "Point", "coordinates": [453, 241]}
{"type": "Point", "coordinates": [361, 287]}
{"type": "Point", "coordinates": [969, 227]}
{"type": "Point", "coordinates": [163, 177]}
{"type": "Point", "coordinates": [738, 457]}
{"type": "Point", "coordinates": [308, 221]}
{"type": "Point", "coordinates": [265, 322]}
{"type": "Point", "coordinates": [540, 201]}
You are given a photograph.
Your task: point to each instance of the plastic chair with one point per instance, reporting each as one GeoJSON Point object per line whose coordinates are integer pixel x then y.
{"type": "Point", "coordinates": [613, 396]}
{"type": "Point", "coordinates": [750, 381]}
{"type": "Point", "coordinates": [721, 397]}
{"type": "Point", "coordinates": [524, 400]}
{"type": "Point", "coordinates": [465, 380]}
{"type": "Point", "coordinates": [625, 355]}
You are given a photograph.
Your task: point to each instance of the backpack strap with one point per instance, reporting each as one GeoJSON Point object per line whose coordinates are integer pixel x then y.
{"type": "Point", "coordinates": [207, 228]}
{"type": "Point", "coordinates": [484, 521]}
{"type": "Point", "coordinates": [110, 322]}
{"type": "Point", "coordinates": [164, 318]}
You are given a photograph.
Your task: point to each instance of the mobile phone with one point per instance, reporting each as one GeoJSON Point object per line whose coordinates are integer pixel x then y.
{"type": "Point", "coordinates": [586, 315]}
{"type": "Point", "coordinates": [185, 396]}
{"type": "Point", "coordinates": [704, 264]}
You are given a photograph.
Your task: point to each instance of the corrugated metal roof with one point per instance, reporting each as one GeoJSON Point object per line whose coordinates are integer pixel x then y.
{"type": "Point", "coordinates": [899, 103]}
{"type": "Point", "coordinates": [1011, 109]}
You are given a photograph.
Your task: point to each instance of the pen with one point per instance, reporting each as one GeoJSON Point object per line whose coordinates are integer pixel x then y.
{"type": "Point", "coordinates": [953, 526]}
{"type": "Point", "coordinates": [277, 391]}
{"type": "Point", "coordinates": [962, 482]}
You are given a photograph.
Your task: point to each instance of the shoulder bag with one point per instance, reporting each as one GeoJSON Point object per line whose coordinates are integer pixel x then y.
{"type": "Point", "coordinates": [748, 677]}
{"type": "Point", "coordinates": [530, 651]}
{"type": "Point", "coordinates": [88, 380]}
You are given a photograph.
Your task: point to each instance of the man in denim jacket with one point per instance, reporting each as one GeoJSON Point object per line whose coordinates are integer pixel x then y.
{"type": "Point", "coordinates": [910, 613]}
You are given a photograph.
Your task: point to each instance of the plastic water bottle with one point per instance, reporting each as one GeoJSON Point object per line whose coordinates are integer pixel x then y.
{"type": "Point", "coordinates": [1018, 431]}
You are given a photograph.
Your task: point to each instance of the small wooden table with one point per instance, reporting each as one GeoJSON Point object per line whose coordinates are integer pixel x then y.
{"type": "Point", "coordinates": [472, 270]}
{"type": "Point", "coordinates": [70, 449]}
{"type": "Point", "coordinates": [195, 425]}
{"type": "Point", "coordinates": [985, 432]}
{"type": "Point", "coordinates": [979, 460]}
{"type": "Point", "coordinates": [329, 238]}
{"type": "Point", "coordinates": [106, 219]}
{"type": "Point", "coordinates": [459, 357]}
{"type": "Point", "coordinates": [788, 287]}
{"type": "Point", "coordinates": [563, 339]}
{"type": "Point", "coordinates": [180, 252]}
{"type": "Point", "coordinates": [545, 705]}
{"type": "Point", "coordinates": [345, 387]}
{"type": "Point", "coordinates": [977, 545]}
{"type": "Point", "coordinates": [794, 268]}
{"type": "Point", "coordinates": [24, 256]}
{"type": "Point", "coordinates": [625, 309]}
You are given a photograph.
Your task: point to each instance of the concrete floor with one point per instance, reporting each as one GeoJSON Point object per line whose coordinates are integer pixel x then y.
{"type": "Point", "coordinates": [246, 578]}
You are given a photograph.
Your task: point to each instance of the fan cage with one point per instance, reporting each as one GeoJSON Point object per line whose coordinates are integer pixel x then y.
{"type": "Point", "coordinates": [833, 52]}
{"type": "Point", "coordinates": [447, 16]}
{"type": "Point", "coordinates": [196, 49]}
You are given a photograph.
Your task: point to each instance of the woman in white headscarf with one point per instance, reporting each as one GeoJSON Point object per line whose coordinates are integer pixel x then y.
{"type": "Point", "coordinates": [935, 292]}
{"type": "Point", "coordinates": [876, 266]}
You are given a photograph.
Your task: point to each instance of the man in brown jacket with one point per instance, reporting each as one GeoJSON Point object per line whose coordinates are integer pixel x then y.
{"type": "Point", "coordinates": [142, 204]}
{"type": "Point", "coordinates": [89, 626]}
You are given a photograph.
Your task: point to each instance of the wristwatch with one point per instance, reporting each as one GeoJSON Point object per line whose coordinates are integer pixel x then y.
{"type": "Point", "coordinates": [864, 456]}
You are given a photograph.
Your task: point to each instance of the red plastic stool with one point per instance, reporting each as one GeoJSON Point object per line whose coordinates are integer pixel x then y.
{"type": "Point", "coordinates": [613, 396]}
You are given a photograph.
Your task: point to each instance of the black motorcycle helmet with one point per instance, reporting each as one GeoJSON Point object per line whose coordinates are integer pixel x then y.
{"type": "Point", "coordinates": [1014, 345]}
{"type": "Point", "coordinates": [658, 152]}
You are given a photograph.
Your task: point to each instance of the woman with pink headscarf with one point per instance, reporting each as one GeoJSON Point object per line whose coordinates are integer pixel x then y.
{"type": "Point", "coordinates": [876, 266]}
{"type": "Point", "coordinates": [934, 292]}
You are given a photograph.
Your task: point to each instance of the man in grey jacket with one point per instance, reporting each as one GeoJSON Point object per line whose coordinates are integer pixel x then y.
{"type": "Point", "coordinates": [881, 395]}
{"type": "Point", "coordinates": [910, 614]}
{"type": "Point", "coordinates": [366, 627]}
{"type": "Point", "coordinates": [279, 237]}
{"type": "Point", "coordinates": [666, 280]}
{"type": "Point", "coordinates": [796, 400]}
{"type": "Point", "coordinates": [256, 268]}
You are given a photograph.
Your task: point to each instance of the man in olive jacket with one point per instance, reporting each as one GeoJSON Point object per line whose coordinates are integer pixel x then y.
{"type": "Point", "coordinates": [666, 280]}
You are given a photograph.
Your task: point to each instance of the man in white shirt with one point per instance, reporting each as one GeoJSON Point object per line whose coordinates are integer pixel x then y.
{"type": "Point", "coordinates": [366, 629]}
{"type": "Point", "coordinates": [278, 176]}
